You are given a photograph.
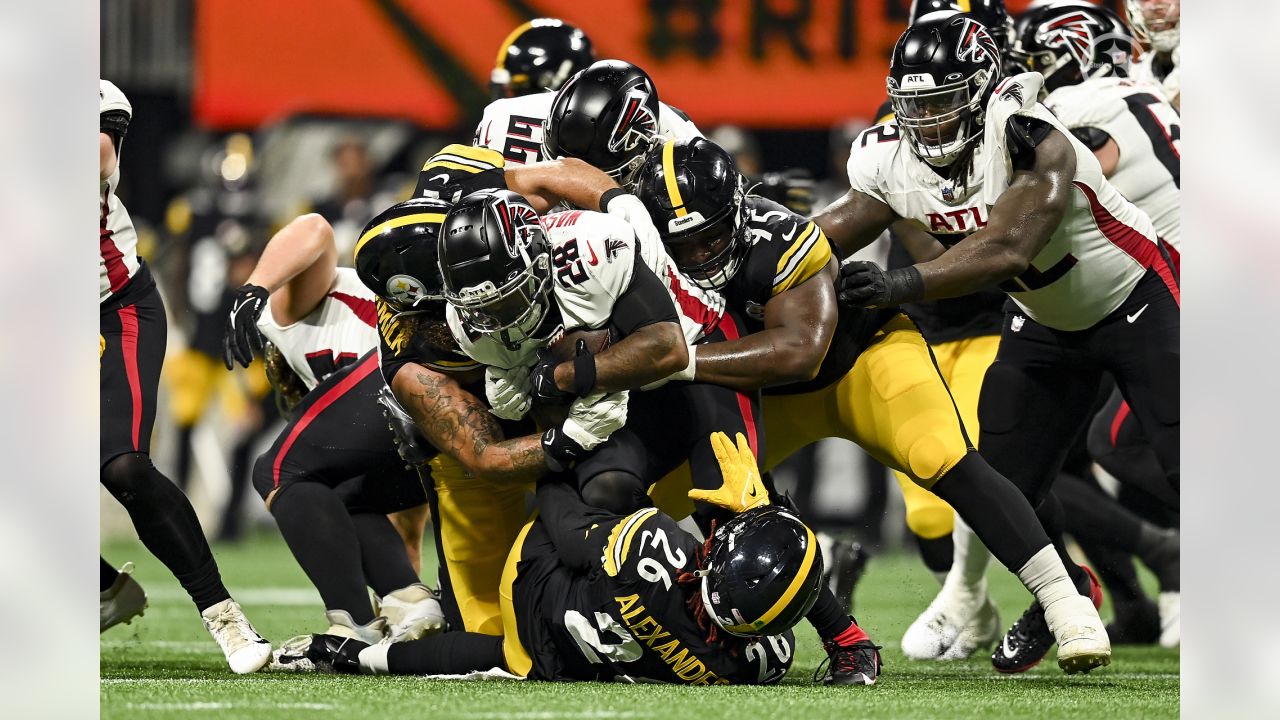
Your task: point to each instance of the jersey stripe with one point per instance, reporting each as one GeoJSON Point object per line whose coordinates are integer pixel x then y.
{"type": "Point", "coordinates": [619, 542]}
{"type": "Point", "coordinates": [806, 566]}
{"type": "Point", "coordinates": [117, 272]}
{"type": "Point", "coordinates": [129, 347]}
{"type": "Point", "coordinates": [395, 223]}
{"type": "Point", "coordinates": [806, 258]}
{"type": "Point", "coordinates": [669, 173]}
{"type": "Point", "coordinates": [364, 309]}
{"type": "Point", "coordinates": [691, 306]}
{"type": "Point", "coordinates": [328, 398]}
{"type": "Point", "coordinates": [730, 329]}
{"type": "Point", "coordinates": [1135, 244]}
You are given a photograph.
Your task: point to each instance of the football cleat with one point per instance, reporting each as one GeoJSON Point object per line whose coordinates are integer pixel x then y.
{"type": "Point", "coordinates": [341, 625]}
{"type": "Point", "coordinates": [953, 627]}
{"type": "Point", "coordinates": [122, 602]}
{"type": "Point", "coordinates": [856, 664]}
{"type": "Point", "coordinates": [291, 656]}
{"type": "Point", "coordinates": [846, 561]}
{"type": "Point", "coordinates": [412, 612]}
{"type": "Point", "coordinates": [1170, 619]}
{"type": "Point", "coordinates": [246, 651]}
{"type": "Point", "coordinates": [1073, 623]}
{"type": "Point", "coordinates": [1136, 622]}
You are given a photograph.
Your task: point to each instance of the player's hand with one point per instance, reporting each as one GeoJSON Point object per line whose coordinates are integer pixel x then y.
{"type": "Point", "coordinates": [412, 447]}
{"type": "Point", "coordinates": [508, 391]}
{"type": "Point", "coordinates": [792, 188]}
{"type": "Point", "coordinates": [241, 338]}
{"type": "Point", "coordinates": [542, 383]}
{"type": "Point", "coordinates": [629, 208]}
{"type": "Point", "coordinates": [742, 489]}
{"type": "Point", "coordinates": [865, 284]}
{"type": "Point", "coordinates": [591, 421]}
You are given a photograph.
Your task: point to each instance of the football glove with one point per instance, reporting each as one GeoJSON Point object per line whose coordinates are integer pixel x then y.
{"type": "Point", "coordinates": [865, 284]}
{"type": "Point", "coordinates": [591, 421]}
{"type": "Point", "coordinates": [742, 489]}
{"type": "Point", "coordinates": [542, 383]}
{"type": "Point", "coordinates": [241, 338]}
{"type": "Point", "coordinates": [412, 447]}
{"type": "Point", "coordinates": [508, 391]}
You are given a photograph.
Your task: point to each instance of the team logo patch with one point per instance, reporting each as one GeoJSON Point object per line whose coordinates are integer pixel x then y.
{"type": "Point", "coordinates": [405, 289]}
{"type": "Point", "coordinates": [976, 44]}
{"type": "Point", "coordinates": [612, 247]}
{"type": "Point", "coordinates": [1016, 323]}
{"type": "Point", "coordinates": [1014, 93]}
{"type": "Point", "coordinates": [636, 123]}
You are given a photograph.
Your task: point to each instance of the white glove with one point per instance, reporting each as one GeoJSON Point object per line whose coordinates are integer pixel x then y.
{"type": "Point", "coordinates": [592, 419]}
{"type": "Point", "coordinates": [629, 208]}
{"type": "Point", "coordinates": [508, 391]}
{"type": "Point", "coordinates": [687, 374]}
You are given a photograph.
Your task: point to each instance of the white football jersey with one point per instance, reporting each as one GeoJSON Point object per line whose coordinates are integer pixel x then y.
{"type": "Point", "coordinates": [513, 126]}
{"type": "Point", "coordinates": [1146, 129]}
{"type": "Point", "coordinates": [1092, 261]}
{"type": "Point", "coordinates": [593, 262]}
{"type": "Point", "coordinates": [333, 335]}
{"type": "Point", "coordinates": [117, 240]}
{"type": "Point", "coordinates": [1142, 70]}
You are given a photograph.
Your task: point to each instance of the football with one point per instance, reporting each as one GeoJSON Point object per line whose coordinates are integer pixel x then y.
{"type": "Point", "coordinates": [565, 347]}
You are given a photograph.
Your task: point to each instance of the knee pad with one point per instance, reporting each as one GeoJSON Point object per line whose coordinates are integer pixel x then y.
{"type": "Point", "coordinates": [931, 520]}
{"type": "Point", "coordinates": [930, 444]}
{"type": "Point", "coordinates": [616, 491]}
{"type": "Point", "coordinates": [128, 476]}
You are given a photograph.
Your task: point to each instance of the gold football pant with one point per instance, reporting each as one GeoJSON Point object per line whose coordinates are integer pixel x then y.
{"type": "Point", "coordinates": [476, 525]}
{"type": "Point", "coordinates": [892, 402]}
{"type": "Point", "coordinates": [963, 364]}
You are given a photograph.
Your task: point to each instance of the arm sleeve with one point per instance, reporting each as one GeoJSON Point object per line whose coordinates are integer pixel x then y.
{"type": "Point", "coordinates": [1023, 134]}
{"type": "Point", "coordinates": [644, 302]}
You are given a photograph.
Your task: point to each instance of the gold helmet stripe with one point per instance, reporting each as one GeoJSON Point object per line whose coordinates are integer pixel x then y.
{"type": "Point", "coordinates": [506, 44]}
{"type": "Point", "coordinates": [796, 583]}
{"type": "Point", "coordinates": [395, 223]}
{"type": "Point", "coordinates": [669, 173]}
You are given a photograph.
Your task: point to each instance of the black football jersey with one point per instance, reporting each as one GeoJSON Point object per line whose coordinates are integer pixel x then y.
{"type": "Point", "coordinates": [626, 613]}
{"type": "Point", "coordinates": [786, 250]}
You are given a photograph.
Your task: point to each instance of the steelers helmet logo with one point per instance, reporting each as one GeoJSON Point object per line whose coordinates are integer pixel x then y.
{"type": "Point", "coordinates": [405, 289]}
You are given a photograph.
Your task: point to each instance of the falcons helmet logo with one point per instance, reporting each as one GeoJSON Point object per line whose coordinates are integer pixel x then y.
{"type": "Point", "coordinates": [976, 44]}
{"type": "Point", "coordinates": [1073, 32]}
{"type": "Point", "coordinates": [518, 222]}
{"type": "Point", "coordinates": [636, 123]}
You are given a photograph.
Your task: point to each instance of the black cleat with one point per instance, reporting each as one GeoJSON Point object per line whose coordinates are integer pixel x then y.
{"type": "Point", "coordinates": [856, 664]}
{"type": "Point", "coordinates": [1136, 622]}
{"type": "Point", "coordinates": [845, 567]}
{"type": "Point", "coordinates": [336, 654]}
{"type": "Point", "coordinates": [1025, 644]}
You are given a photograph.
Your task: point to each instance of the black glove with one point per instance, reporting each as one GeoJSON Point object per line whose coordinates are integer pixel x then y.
{"type": "Point", "coordinates": [865, 284]}
{"type": "Point", "coordinates": [241, 339]}
{"type": "Point", "coordinates": [413, 448]}
{"type": "Point", "coordinates": [561, 451]}
{"type": "Point", "coordinates": [542, 381]}
{"type": "Point", "coordinates": [791, 188]}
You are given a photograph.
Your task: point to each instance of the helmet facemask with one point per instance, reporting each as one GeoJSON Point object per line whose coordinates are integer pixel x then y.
{"type": "Point", "coordinates": [714, 272]}
{"type": "Point", "coordinates": [1156, 23]}
{"type": "Point", "coordinates": [513, 311]}
{"type": "Point", "coordinates": [941, 121]}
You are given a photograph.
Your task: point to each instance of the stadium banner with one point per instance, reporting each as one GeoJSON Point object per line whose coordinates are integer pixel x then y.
{"type": "Point", "coordinates": [762, 63]}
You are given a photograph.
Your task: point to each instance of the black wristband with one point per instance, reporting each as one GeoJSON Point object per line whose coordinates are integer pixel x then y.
{"type": "Point", "coordinates": [905, 285]}
{"type": "Point", "coordinates": [584, 374]}
{"type": "Point", "coordinates": [560, 451]}
{"type": "Point", "coordinates": [608, 195]}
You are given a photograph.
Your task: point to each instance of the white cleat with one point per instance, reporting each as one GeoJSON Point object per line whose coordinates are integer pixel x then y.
{"type": "Point", "coordinates": [1170, 604]}
{"type": "Point", "coordinates": [341, 624]}
{"type": "Point", "coordinates": [412, 612]}
{"type": "Point", "coordinates": [122, 602]}
{"type": "Point", "coordinates": [246, 651]}
{"type": "Point", "coordinates": [1082, 638]}
{"type": "Point", "coordinates": [955, 624]}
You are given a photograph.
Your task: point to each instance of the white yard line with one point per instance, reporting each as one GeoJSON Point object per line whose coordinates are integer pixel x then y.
{"type": "Point", "coordinates": [229, 706]}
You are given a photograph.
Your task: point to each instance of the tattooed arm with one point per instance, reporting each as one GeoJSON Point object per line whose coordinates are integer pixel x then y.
{"type": "Point", "coordinates": [462, 427]}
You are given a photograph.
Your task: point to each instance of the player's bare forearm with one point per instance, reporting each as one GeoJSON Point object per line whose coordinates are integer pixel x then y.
{"type": "Point", "coordinates": [647, 355]}
{"type": "Point", "coordinates": [298, 264]}
{"type": "Point", "coordinates": [461, 426]}
{"type": "Point", "coordinates": [566, 180]}
{"type": "Point", "coordinates": [799, 325]}
{"type": "Point", "coordinates": [920, 245]}
{"type": "Point", "coordinates": [1021, 223]}
{"type": "Point", "coordinates": [854, 221]}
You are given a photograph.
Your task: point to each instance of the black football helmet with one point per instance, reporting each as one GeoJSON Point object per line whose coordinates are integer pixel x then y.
{"type": "Point", "coordinates": [991, 13]}
{"type": "Point", "coordinates": [695, 195]}
{"type": "Point", "coordinates": [396, 255]}
{"type": "Point", "coordinates": [539, 56]}
{"type": "Point", "coordinates": [496, 263]}
{"type": "Point", "coordinates": [606, 116]}
{"type": "Point", "coordinates": [941, 75]}
{"type": "Point", "coordinates": [763, 573]}
{"type": "Point", "coordinates": [1070, 42]}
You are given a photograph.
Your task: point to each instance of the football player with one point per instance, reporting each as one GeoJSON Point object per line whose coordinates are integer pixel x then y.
{"type": "Point", "coordinates": [539, 56]}
{"type": "Point", "coordinates": [606, 115]}
{"type": "Point", "coordinates": [1157, 23]}
{"type": "Point", "coordinates": [480, 467]}
{"type": "Point", "coordinates": [593, 595]}
{"type": "Point", "coordinates": [131, 350]}
{"type": "Point", "coordinates": [976, 156]}
{"type": "Point", "coordinates": [864, 375]}
{"type": "Point", "coordinates": [1083, 51]}
{"type": "Point", "coordinates": [333, 474]}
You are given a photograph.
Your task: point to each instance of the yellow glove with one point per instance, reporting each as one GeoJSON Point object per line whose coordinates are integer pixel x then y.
{"type": "Point", "coordinates": [742, 489]}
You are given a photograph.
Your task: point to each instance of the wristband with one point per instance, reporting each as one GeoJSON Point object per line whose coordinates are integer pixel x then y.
{"type": "Point", "coordinates": [608, 195]}
{"type": "Point", "coordinates": [904, 285]}
{"type": "Point", "coordinates": [584, 374]}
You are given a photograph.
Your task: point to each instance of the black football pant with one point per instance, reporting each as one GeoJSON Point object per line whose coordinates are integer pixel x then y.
{"type": "Point", "coordinates": [329, 480]}
{"type": "Point", "coordinates": [133, 333]}
{"type": "Point", "coordinates": [1038, 395]}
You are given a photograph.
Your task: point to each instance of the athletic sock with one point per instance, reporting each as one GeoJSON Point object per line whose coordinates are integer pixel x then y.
{"type": "Point", "coordinates": [451, 653]}
{"type": "Point", "coordinates": [969, 563]}
{"type": "Point", "coordinates": [382, 554]}
{"type": "Point", "coordinates": [107, 576]}
{"type": "Point", "coordinates": [850, 636]}
{"type": "Point", "coordinates": [1046, 578]}
{"type": "Point", "coordinates": [827, 617]}
{"type": "Point", "coordinates": [323, 539]}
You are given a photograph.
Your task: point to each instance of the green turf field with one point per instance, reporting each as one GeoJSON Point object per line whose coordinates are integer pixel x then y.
{"type": "Point", "coordinates": [165, 666]}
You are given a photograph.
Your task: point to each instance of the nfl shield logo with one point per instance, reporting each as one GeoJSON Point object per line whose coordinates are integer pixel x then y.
{"type": "Point", "coordinates": [948, 194]}
{"type": "Point", "coordinates": [1016, 324]}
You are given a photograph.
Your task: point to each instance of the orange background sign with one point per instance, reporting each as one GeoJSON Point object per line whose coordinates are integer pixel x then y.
{"type": "Point", "coordinates": [762, 63]}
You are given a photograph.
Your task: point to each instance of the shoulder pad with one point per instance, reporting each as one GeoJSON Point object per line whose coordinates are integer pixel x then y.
{"type": "Point", "coordinates": [459, 170]}
{"type": "Point", "coordinates": [869, 157]}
